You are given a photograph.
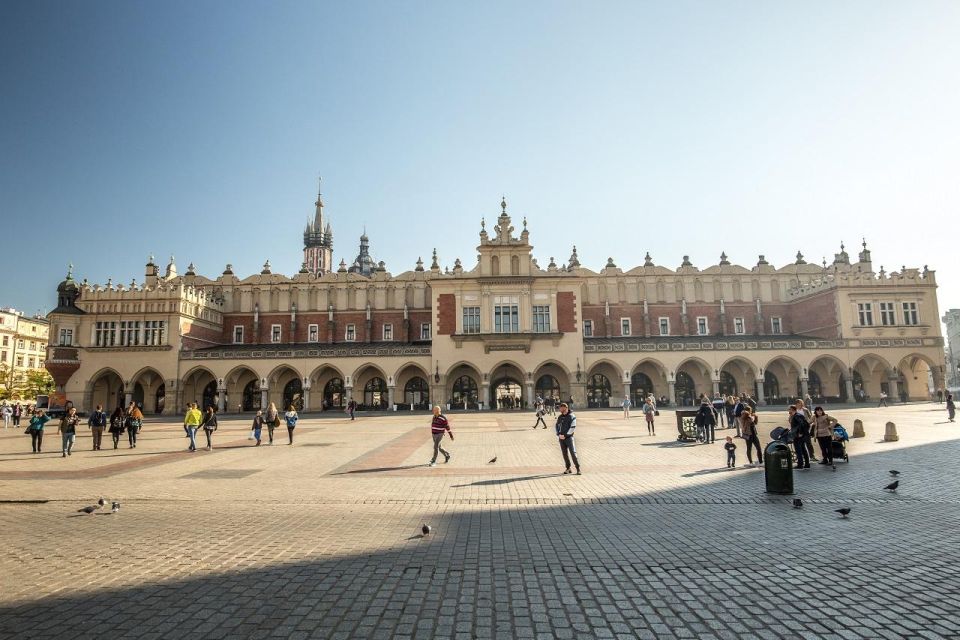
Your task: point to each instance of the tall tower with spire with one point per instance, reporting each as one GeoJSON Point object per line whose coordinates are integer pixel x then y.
{"type": "Point", "coordinates": [318, 242]}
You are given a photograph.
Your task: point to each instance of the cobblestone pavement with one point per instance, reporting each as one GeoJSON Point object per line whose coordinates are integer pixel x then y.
{"type": "Point", "coordinates": [322, 539]}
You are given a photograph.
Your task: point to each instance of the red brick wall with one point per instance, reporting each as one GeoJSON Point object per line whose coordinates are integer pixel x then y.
{"type": "Point", "coordinates": [446, 317]}
{"type": "Point", "coordinates": [566, 312]}
{"type": "Point", "coordinates": [816, 316]}
{"type": "Point", "coordinates": [194, 336]}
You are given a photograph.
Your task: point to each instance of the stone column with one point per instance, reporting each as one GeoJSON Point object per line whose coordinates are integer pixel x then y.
{"type": "Point", "coordinates": [127, 397]}
{"type": "Point", "coordinates": [894, 386]}
{"type": "Point", "coordinates": [672, 392]}
{"type": "Point", "coordinates": [804, 387]}
{"type": "Point", "coordinates": [626, 390]}
{"type": "Point", "coordinates": [759, 386]}
{"type": "Point", "coordinates": [578, 390]}
{"type": "Point", "coordinates": [348, 392]}
{"type": "Point", "coordinates": [529, 394]}
{"type": "Point", "coordinates": [306, 398]}
{"type": "Point", "coordinates": [221, 399]}
{"type": "Point", "coordinates": [716, 387]}
{"type": "Point", "coordinates": [485, 396]}
{"type": "Point", "coordinates": [390, 400]}
{"type": "Point", "coordinates": [264, 398]}
{"type": "Point", "coordinates": [848, 381]}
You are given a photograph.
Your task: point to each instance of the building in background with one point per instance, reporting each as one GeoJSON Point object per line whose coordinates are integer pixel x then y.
{"type": "Point", "coordinates": [952, 321]}
{"type": "Point", "coordinates": [498, 333]}
{"type": "Point", "coordinates": [23, 347]}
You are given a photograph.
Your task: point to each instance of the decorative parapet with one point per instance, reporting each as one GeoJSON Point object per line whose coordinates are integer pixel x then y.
{"type": "Point", "coordinates": [614, 345]}
{"type": "Point", "coordinates": [318, 352]}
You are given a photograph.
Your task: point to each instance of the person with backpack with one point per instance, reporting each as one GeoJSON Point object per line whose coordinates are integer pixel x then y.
{"type": "Point", "coordinates": [291, 417]}
{"type": "Point", "coordinates": [800, 429]}
{"type": "Point", "coordinates": [272, 418]}
{"type": "Point", "coordinates": [257, 426]}
{"type": "Point", "coordinates": [706, 422]}
{"type": "Point", "coordinates": [97, 422]}
{"type": "Point", "coordinates": [116, 425]}
{"type": "Point", "coordinates": [133, 424]}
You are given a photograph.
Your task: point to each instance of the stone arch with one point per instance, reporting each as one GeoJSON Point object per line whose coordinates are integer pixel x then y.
{"type": "Point", "coordinates": [692, 378]}
{"type": "Point", "coordinates": [196, 386]}
{"type": "Point", "coordinates": [873, 373]}
{"type": "Point", "coordinates": [149, 390]}
{"type": "Point", "coordinates": [106, 387]}
{"type": "Point", "coordinates": [412, 387]}
{"type": "Point", "coordinates": [738, 375]}
{"type": "Point", "coordinates": [604, 384]}
{"type": "Point", "coordinates": [832, 374]}
{"type": "Point", "coordinates": [462, 386]}
{"type": "Point", "coordinates": [915, 370]}
{"type": "Point", "coordinates": [788, 373]}
{"type": "Point", "coordinates": [508, 385]}
{"type": "Point", "coordinates": [368, 379]}
{"type": "Point", "coordinates": [560, 383]}
{"type": "Point", "coordinates": [326, 388]}
{"type": "Point", "coordinates": [655, 374]}
{"type": "Point", "coordinates": [242, 385]}
{"type": "Point", "coordinates": [278, 381]}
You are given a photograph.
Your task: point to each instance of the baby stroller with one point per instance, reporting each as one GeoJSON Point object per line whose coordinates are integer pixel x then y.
{"type": "Point", "coordinates": [839, 443]}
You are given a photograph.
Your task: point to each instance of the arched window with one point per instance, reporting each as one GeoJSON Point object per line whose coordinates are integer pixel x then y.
{"type": "Point", "coordinates": [416, 393]}
{"type": "Point", "coordinates": [293, 395]}
{"type": "Point", "coordinates": [210, 395]}
{"type": "Point", "coordinates": [251, 396]}
{"type": "Point", "coordinates": [728, 384]}
{"type": "Point", "coordinates": [514, 265]}
{"type": "Point", "coordinates": [547, 387]}
{"type": "Point", "coordinates": [598, 391]}
{"type": "Point", "coordinates": [771, 387]}
{"type": "Point", "coordinates": [814, 386]}
{"type": "Point", "coordinates": [464, 393]}
{"type": "Point", "coordinates": [640, 387]}
{"type": "Point", "coordinates": [333, 394]}
{"type": "Point", "coordinates": [685, 389]}
{"type": "Point", "coordinates": [375, 394]}
{"type": "Point", "coordinates": [495, 265]}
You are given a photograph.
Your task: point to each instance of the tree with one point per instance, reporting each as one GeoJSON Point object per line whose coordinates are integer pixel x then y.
{"type": "Point", "coordinates": [38, 381]}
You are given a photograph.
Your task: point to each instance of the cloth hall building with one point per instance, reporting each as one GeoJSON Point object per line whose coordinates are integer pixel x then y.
{"type": "Point", "coordinates": [505, 328]}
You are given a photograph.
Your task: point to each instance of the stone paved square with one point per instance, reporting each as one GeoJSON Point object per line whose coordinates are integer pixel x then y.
{"type": "Point", "coordinates": [322, 539]}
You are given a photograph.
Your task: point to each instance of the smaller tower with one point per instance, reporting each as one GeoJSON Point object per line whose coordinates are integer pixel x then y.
{"type": "Point", "coordinates": [318, 242]}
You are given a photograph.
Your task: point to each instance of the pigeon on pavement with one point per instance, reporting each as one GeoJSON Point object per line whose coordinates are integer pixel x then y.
{"type": "Point", "coordinates": [894, 473]}
{"type": "Point", "coordinates": [89, 510]}
{"type": "Point", "coordinates": [425, 529]}
{"type": "Point", "coordinates": [101, 501]}
{"type": "Point", "coordinates": [797, 503]}
{"type": "Point", "coordinates": [492, 460]}
{"type": "Point", "coordinates": [844, 512]}
{"type": "Point", "coordinates": [114, 507]}
{"type": "Point", "coordinates": [892, 487]}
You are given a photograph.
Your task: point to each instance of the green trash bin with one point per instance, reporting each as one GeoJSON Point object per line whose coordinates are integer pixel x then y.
{"type": "Point", "coordinates": [778, 468]}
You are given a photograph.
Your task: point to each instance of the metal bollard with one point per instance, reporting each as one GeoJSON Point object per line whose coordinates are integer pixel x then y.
{"type": "Point", "coordinates": [858, 428]}
{"type": "Point", "coordinates": [890, 435]}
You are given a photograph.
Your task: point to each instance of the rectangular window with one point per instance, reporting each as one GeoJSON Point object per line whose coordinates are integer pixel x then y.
{"type": "Point", "coordinates": [664, 326]}
{"type": "Point", "coordinates": [387, 332]}
{"type": "Point", "coordinates": [19, 361]}
{"type": "Point", "coordinates": [625, 326]}
{"type": "Point", "coordinates": [129, 333]}
{"type": "Point", "coordinates": [541, 318]}
{"type": "Point", "coordinates": [702, 326]}
{"type": "Point", "coordinates": [33, 346]}
{"type": "Point", "coordinates": [887, 315]}
{"type": "Point", "coordinates": [6, 341]}
{"type": "Point", "coordinates": [425, 331]}
{"type": "Point", "coordinates": [66, 337]}
{"type": "Point", "coordinates": [3, 357]}
{"type": "Point", "coordinates": [154, 332]}
{"type": "Point", "coordinates": [313, 333]}
{"type": "Point", "coordinates": [776, 326]}
{"type": "Point", "coordinates": [910, 315]}
{"type": "Point", "coordinates": [19, 344]}
{"type": "Point", "coordinates": [506, 314]}
{"type": "Point", "coordinates": [738, 327]}
{"type": "Point", "coordinates": [865, 311]}
{"type": "Point", "coordinates": [471, 319]}
{"type": "Point", "coordinates": [32, 362]}
{"type": "Point", "coordinates": [238, 334]}
{"type": "Point", "coordinates": [588, 328]}
{"type": "Point", "coordinates": [276, 333]}
{"type": "Point", "coordinates": [351, 333]}
{"type": "Point", "coordinates": [106, 334]}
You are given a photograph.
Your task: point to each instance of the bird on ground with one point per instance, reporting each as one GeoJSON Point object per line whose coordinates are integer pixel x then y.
{"type": "Point", "coordinates": [844, 512]}
{"type": "Point", "coordinates": [492, 460]}
{"type": "Point", "coordinates": [114, 507]}
{"type": "Point", "coordinates": [894, 473]}
{"type": "Point", "coordinates": [425, 529]}
{"type": "Point", "coordinates": [797, 503]}
{"type": "Point", "coordinates": [101, 501]}
{"type": "Point", "coordinates": [892, 487]}
{"type": "Point", "coordinates": [89, 510]}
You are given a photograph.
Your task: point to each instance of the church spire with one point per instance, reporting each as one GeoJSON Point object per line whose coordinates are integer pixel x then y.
{"type": "Point", "coordinates": [318, 216]}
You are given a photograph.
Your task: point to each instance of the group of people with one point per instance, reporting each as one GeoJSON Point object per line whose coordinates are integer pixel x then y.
{"type": "Point", "coordinates": [129, 420]}
{"type": "Point", "coordinates": [565, 426]}
{"type": "Point", "coordinates": [11, 413]}
{"type": "Point", "coordinates": [194, 420]}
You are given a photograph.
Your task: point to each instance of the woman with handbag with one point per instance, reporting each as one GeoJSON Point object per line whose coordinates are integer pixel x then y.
{"type": "Point", "coordinates": [117, 420]}
{"type": "Point", "coordinates": [272, 419]}
{"type": "Point", "coordinates": [68, 430]}
{"type": "Point", "coordinates": [133, 424]}
{"type": "Point", "coordinates": [209, 425]}
{"type": "Point", "coordinates": [291, 418]}
{"type": "Point", "coordinates": [649, 410]}
{"type": "Point", "coordinates": [36, 429]}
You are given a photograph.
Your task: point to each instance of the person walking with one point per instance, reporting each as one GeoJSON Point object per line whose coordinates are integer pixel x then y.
{"type": "Point", "coordinates": [272, 418]}
{"type": "Point", "coordinates": [117, 420]}
{"type": "Point", "coordinates": [540, 413]}
{"type": "Point", "coordinates": [801, 437]}
{"type": "Point", "coordinates": [291, 417]}
{"type": "Point", "coordinates": [566, 425]}
{"type": "Point", "coordinates": [6, 411]}
{"type": "Point", "coordinates": [883, 399]}
{"type": "Point", "coordinates": [68, 431]}
{"type": "Point", "coordinates": [351, 408]}
{"type": "Point", "coordinates": [191, 422]}
{"type": "Point", "coordinates": [133, 423]}
{"type": "Point", "coordinates": [17, 412]}
{"type": "Point", "coordinates": [626, 404]}
{"type": "Point", "coordinates": [257, 426]}
{"type": "Point", "coordinates": [209, 424]}
{"type": "Point", "coordinates": [706, 422]}
{"type": "Point", "coordinates": [649, 409]}
{"type": "Point", "coordinates": [36, 429]}
{"type": "Point", "coordinates": [439, 426]}
{"type": "Point", "coordinates": [823, 431]}
{"type": "Point", "coordinates": [97, 422]}
{"type": "Point", "coordinates": [951, 409]}
{"type": "Point", "coordinates": [748, 430]}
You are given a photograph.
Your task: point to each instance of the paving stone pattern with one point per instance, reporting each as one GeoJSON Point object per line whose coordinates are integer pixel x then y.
{"type": "Point", "coordinates": [656, 540]}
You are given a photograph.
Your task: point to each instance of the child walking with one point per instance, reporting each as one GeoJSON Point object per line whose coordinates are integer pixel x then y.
{"type": "Point", "coordinates": [731, 448]}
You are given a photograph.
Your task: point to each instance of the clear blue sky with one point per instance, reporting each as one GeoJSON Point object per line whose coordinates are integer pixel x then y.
{"type": "Point", "coordinates": [198, 129]}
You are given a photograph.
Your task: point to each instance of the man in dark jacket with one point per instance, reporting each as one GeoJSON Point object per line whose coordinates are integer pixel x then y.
{"type": "Point", "coordinates": [97, 422]}
{"type": "Point", "coordinates": [801, 437]}
{"type": "Point", "coordinates": [566, 425]}
{"type": "Point", "coordinates": [706, 422]}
